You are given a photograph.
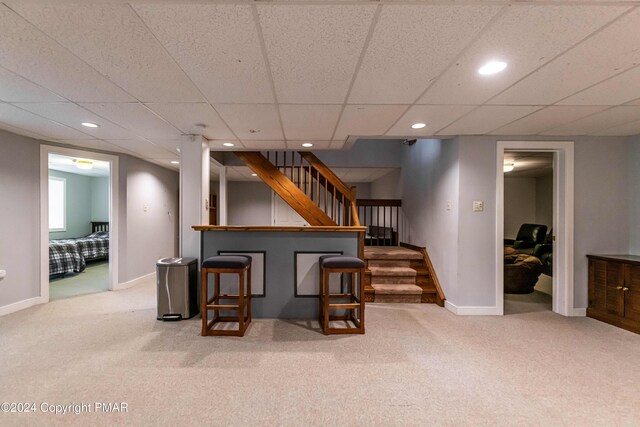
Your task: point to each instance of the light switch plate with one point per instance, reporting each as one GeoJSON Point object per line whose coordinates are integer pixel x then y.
{"type": "Point", "coordinates": [478, 206]}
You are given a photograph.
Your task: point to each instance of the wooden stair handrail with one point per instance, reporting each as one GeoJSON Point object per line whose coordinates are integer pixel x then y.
{"type": "Point", "coordinates": [285, 188]}
{"type": "Point", "coordinates": [328, 174]}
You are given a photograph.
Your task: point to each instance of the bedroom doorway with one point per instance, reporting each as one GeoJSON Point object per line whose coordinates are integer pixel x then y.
{"type": "Point", "coordinates": [78, 222]}
{"type": "Point", "coordinates": [562, 220]}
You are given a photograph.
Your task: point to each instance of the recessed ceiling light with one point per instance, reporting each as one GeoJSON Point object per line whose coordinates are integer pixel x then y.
{"type": "Point", "coordinates": [418, 125]}
{"type": "Point", "coordinates": [90, 125]}
{"type": "Point", "coordinates": [492, 67]}
{"type": "Point", "coordinates": [307, 144]}
{"type": "Point", "coordinates": [254, 174]}
{"type": "Point", "coordinates": [175, 162]}
{"type": "Point", "coordinates": [228, 144]}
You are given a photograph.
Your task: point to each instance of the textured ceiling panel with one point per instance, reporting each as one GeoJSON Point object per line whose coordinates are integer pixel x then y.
{"type": "Point", "coordinates": [146, 149]}
{"type": "Point", "coordinates": [617, 90]}
{"type": "Point", "coordinates": [253, 144]}
{"type": "Point", "coordinates": [14, 116]}
{"type": "Point", "coordinates": [23, 132]}
{"type": "Point", "coordinates": [434, 116]}
{"type": "Point", "coordinates": [545, 119]}
{"type": "Point", "coordinates": [296, 39]}
{"type": "Point", "coordinates": [367, 119]}
{"type": "Point", "coordinates": [586, 64]}
{"type": "Point", "coordinates": [72, 115]}
{"type": "Point", "coordinates": [216, 45]}
{"type": "Point", "coordinates": [525, 37]}
{"type": "Point", "coordinates": [14, 88]}
{"type": "Point", "coordinates": [252, 121]}
{"type": "Point", "coordinates": [185, 116]}
{"type": "Point", "coordinates": [485, 119]}
{"type": "Point", "coordinates": [317, 145]}
{"type": "Point", "coordinates": [96, 144]}
{"type": "Point", "coordinates": [598, 122]}
{"type": "Point", "coordinates": [309, 121]}
{"type": "Point", "coordinates": [626, 129]}
{"type": "Point", "coordinates": [106, 37]}
{"type": "Point", "coordinates": [411, 46]}
{"type": "Point", "coordinates": [31, 54]}
{"type": "Point", "coordinates": [136, 118]}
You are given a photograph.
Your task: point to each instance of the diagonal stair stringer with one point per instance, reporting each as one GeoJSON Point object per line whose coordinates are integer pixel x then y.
{"type": "Point", "coordinates": [285, 188]}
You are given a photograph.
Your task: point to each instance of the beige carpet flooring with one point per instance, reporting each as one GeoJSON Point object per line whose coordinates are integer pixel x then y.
{"type": "Point", "coordinates": [418, 364]}
{"type": "Point", "coordinates": [95, 278]}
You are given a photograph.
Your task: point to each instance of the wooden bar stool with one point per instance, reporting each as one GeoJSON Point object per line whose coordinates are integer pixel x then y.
{"type": "Point", "coordinates": [217, 265]}
{"type": "Point", "coordinates": [352, 302]}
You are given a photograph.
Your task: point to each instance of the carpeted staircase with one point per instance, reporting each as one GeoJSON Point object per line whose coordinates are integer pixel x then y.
{"type": "Point", "coordinates": [397, 274]}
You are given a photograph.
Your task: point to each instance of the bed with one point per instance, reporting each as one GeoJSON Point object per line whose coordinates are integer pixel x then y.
{"type": "Point", "coordinates": [71, 255]}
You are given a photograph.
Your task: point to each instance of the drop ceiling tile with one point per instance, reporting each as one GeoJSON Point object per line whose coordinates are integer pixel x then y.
{"type": "Point", "coordinates": [217, 45]}
{"type": "Point", "coordinates": [634, 102]}
{"type": "Point", "coordinates": [14, 88]}
{"type": "Point", "coordinates": [547, 118]}
{"type": "Point", "coordinates": [143, 148]}
{"type": "Point", "coordinates": [626, 129]}
{"type": "Point", "coordinates": [525, 37]}
{"type": "Point", "coordinates": [252, 121]}
{"type": "Point", "coordinates": [434, 116]}
{"type": "Point", "coordinates": [367, 119]}
{"type": "Point", "coordinates": [32, 55]}
{"type": "Point", "coordinates": [97, 144]}
{"type": "Point", "coordinates": [135, 117]}
{"type": "Point", "coordinates": [185, 116]}
{"type": "Point", "coordinates": [317, 145]}
{"type": "Point", "coordinates": [337, 144]}
{"type": "Point", "coordinates": [617, 90]}
{"type": "Point", "coordinates": [426, 36]}
{"type": "Point", "coordinates": [485, 119]}
{"type": "Point", "coordinates": [113, 40]}
{"type": "Point", "coordinates": [599, 122]}
{"type": "Point", "coordinates": [72, 115]}
{"type": "Point", "coordinates": [590, 62]}
{"type": "Point", "coordinates": [309, 121]}
{"type": "Point", "coordinates": [253, 144]}
{"type": "Point", "coordinates": [23, 132]}
{"type": "Point", "coordinates": [19, 118]}
{"type": "Point", "coordinates": [297, 38]}
{"type": "Point", "coordinates": [172, 145]}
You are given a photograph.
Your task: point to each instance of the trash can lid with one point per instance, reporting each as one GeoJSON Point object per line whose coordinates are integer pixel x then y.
{"type": "Point", "coordinates": [176, 261]}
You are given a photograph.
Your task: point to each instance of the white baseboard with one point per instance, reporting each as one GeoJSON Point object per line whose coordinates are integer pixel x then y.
{"type": "Point", "coordinates": [134, 282]}
{"type": "Point", "coordinates": [579, 312]}
{"type": "Point", "coordinates": [471, 311]}
{"type": "Point", "coordinates": [21, 305]}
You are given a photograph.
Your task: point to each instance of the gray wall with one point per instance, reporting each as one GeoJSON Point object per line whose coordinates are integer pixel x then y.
{"type": "Point", "coordinates": [99, 198]}
{"type": "Point", "coordinates": [148, 217]}
{"type": "Point", "coordinates": [544, 200]}
{"type": "Point", "coordinates": [248, 203]}
{"type": "Point", "coordinates": [77, 206]}
{"type": "Point", "coordinates": [634, 197]}
{"type": "Point", "coordinates": [429, 178]}
{"type": "Point", "coordinates": [519, 204]}
{"type": "Point", "coordinates": [19, 218]}
{"type": "Point", "coordinates": [387, 187]}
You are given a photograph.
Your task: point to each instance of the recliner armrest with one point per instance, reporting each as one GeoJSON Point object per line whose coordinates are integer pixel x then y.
{"type": "Point", "coordinates": [541, 249]}
{"type": "Point", "coordinates": [509, 242]}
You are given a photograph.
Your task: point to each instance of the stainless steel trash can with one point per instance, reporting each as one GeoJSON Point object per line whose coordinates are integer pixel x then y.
{"type": "Point", "coordinates": [177, 280]}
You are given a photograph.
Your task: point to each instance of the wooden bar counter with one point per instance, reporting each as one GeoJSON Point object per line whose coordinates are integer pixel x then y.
{"type": "Point", "coordinates": [285, 269]}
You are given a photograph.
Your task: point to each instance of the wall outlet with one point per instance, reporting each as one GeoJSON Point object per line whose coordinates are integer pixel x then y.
{"type": "Point", "coordinates": [478, 206]}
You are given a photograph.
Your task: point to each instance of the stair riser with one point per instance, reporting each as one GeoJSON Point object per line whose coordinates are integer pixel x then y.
{"type": "Point", "coordinates": [383, 280]}
{"type": "Point", "coordinates": [413, 299]}
{"type": "Point", "coordinates": [388, 263]}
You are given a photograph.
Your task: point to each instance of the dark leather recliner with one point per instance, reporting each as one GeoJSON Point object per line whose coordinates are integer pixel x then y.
{"type": "Point", "coordinates": [529, 235]}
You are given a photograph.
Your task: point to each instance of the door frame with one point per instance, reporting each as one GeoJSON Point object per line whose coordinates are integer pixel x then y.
{"type": "Point", "coordinates": [563, 222]}
{"type": "Point", "coordinates": [45, 150]}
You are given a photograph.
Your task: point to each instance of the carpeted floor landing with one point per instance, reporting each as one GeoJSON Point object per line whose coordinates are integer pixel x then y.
{"type": "Point", "coordinates": [418, 364]}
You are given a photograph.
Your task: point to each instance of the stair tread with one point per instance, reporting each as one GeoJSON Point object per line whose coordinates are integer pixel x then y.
{"type": "Point", "coordinates": [397, 289]}
{"type": "Point", "coordinates": [390, 252]}
{"type": "Point", "coordinates": [392, 271]}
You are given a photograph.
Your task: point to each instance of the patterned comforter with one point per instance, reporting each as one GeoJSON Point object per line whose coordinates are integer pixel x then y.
{"type": "Point", "coordinates": [70, 255]}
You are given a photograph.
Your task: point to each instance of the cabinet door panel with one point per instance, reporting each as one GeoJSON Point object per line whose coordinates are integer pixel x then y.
{"type": "Point", "coordinates": [598, 279]}
{"type": "Point", "coordinates": [615, 283]}
{"type": "Point", "coordinates": [633, 281]}
{"type": "Point", "coordinates": [632, 305]}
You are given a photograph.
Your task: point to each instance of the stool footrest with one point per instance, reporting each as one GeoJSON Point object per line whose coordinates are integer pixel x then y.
{"type": "Point", "coordinates": [223, 306]}
{"type": "Point", "coordinates": [351, 305]}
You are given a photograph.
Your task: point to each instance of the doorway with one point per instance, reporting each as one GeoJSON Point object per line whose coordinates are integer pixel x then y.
{"type": "Point", "coordinates": [78, 207]}
{"type": "Point", "coordinates": [562, 219]}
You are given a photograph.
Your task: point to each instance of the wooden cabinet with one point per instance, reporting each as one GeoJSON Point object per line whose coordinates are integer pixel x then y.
{"type": "Point", "coordinates": [614, 290]}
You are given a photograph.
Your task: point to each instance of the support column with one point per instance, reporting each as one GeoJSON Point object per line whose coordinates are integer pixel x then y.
{"type": "Point", "coordinates": [222, 196]}
{"type": "Point", "coordinates": [194, 192]}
